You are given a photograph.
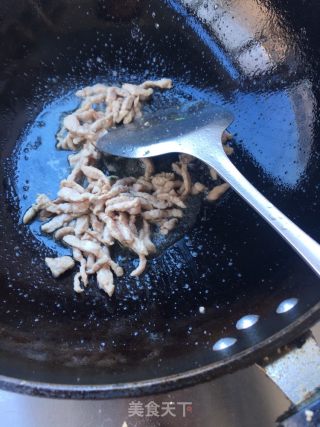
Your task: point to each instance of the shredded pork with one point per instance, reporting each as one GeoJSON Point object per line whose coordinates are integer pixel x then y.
{"type": "Point", "coordinates": [93, 211]}
{"type": "Point", "coordinates": [59, 265]}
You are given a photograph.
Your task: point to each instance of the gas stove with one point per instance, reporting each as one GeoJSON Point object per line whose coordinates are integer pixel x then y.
{"type": "Point", "coordinates": [246, 398]}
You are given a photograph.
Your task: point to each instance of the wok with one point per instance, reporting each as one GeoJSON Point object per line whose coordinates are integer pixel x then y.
{"type": "Point", "coordinates": [259, 59]}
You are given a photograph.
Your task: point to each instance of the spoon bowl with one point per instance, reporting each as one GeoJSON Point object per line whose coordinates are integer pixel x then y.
{"type": "Point", "coordinates": [172, 130]}
{"type": "Point", "coordinates": [196, 129]}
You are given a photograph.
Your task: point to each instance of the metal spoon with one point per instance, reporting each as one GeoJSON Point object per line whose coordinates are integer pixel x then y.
{"type": "Point", "coordinates": [197, 130]}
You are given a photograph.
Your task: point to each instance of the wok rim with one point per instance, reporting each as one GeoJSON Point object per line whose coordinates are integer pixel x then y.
{"type": "Point", "coordinates": [189, 378]}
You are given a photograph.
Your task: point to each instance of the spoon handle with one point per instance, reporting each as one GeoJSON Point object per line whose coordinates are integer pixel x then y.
{"type": "Point", "coordinates": [301, 242]}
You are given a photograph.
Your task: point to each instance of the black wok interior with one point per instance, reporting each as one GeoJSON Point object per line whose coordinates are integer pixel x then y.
{"type": "Point", "coordinates": [226, 259]}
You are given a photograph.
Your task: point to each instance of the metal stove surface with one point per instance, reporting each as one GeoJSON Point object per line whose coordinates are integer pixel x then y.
{"type": "Point", "coordinates": [246, 398]}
